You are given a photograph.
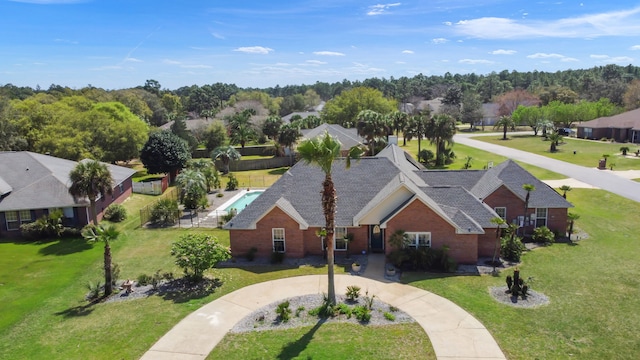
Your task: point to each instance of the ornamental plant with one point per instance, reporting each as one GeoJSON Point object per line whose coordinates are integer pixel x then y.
{"type": "Point", "coordinates": [196, 253]}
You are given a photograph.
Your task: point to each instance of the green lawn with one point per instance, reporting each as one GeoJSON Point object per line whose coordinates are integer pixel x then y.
{"type": "Point", "coordinates": [256, 178]}
{"type": "Point", "coordinates": [329, 341]}
{"type": "Point", "coordinates": [480, 159]}
{"type": "Point", "coordinates": [592, 286]}
{"type": "Point", "coordinates": [588, 152]}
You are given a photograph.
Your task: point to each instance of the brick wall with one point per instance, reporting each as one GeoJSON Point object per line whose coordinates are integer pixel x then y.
{"type": "Point", "coordinates": [503, 197]}
{"type": "Point", "coordinates": [557, 220]}
{"type": "Point", "coordinates": [261, 238]}
{"type": "Point", "coordinates": [417, 217]}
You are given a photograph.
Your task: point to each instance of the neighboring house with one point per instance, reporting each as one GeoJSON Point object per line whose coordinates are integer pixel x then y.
{"type": "Point", "coordinates": [192, 124]}
{"type": "Point", "coordinates": [32, 185]}
{"type": "Point", "coordinates": [490, 114]}
{"type": "Point", "coordinates": [347, 137]}
{"type": "Point", "coordinates": [623, 127]}
{"type": "Point", "coordinates": [380, 195]}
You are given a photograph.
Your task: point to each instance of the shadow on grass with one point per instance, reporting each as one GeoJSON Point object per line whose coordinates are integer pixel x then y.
{"type": "Point", "coordinates": [66, 247]}
{"type": "Point", "coordinates": [293, 349]}
{"type": "Point", "coordinates": [413, 276]}
{"type": "Point", "coordinates": [77, 311]}
{"type": "Point", "coordinates": [183, 290]}
{"type": "Point", "coordinates": [278, 171]}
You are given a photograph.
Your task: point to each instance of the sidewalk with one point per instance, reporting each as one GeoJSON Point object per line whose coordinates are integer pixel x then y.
{"type": "Point", "coordinates": [453, 332]}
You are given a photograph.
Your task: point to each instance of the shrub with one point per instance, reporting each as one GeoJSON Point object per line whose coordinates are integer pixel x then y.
{"type": "Point", "coordinates": [389, 316]}
{"type": "Point", "coordinates": [196, 253]}
{"type": "Point", "coordinates": [543, 235]}
{"type": "Point", "coordinates": [46, 226]}
{"type": "Point", "coordinates": [143, 280]}
{"type": "Point", "coordinates": [299, 310]}
{"type": "Point", "coordinates": [344, 309]}
{"type": "Point", "coordinates": [94, 289]}
{"type": "Point", "coordinates": [511, 248]}
{"type": "Point", "coordinates": [426, 156]}
{"type": "Point", "coordinates": [277, 257]}
{"type": "Point", "coordinates": [284, 311]}
{"type": "Point", "coordinates": [115, 273]}
{"type": "Point", "coordinates": [353, 293]}
{"type": "Point", "coordinates": [325, 310]}
{"type": "Point", "coordinates": [362, 313]}
{"type": "Point", "coordinates": [219, 195]}
{"type": "Point", "coordinates": [232, 184]}
{"type": "Point", "coordinates": [165, 212]}
{"type": "Point", "coordinates": [115, 213]}
{"type": "Point", "coordinates": [368, 300]}
{"type": "Point", "coordinates": [393, 308]}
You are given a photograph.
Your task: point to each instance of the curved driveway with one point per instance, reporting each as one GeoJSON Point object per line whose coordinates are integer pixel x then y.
{"type": "Point", "coordinates": [454, 333]}
{"type": "Point", "coordinates": [599, 178]}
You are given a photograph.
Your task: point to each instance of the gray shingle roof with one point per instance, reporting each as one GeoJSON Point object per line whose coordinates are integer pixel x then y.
{"type": "Point", "coordinates": [455, 195]}
{"type": "Point", "coordinates": [347, 137]}
{"type": "Point", "coordinates": [41, 181]}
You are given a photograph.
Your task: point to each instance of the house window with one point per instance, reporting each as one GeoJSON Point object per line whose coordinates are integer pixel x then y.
{"type": "Point", "coordinates": [419, 239]}
{"type": "Point", "coordinates": [338, 235]}
{"type": "Point", "coordinates": [588, 132]}
{"type": "Point", "coordinates": [502, 212]}
{"type": "Point", "coordinates": [25, 216]}
{"type": "Point", "coordinates": [541, 217]}
{"type": "Point", "coordinates": [68, 212]}
{"type": "Point", "coordinates": [277, 236]}
{"type": "Point", "coordinates": [121, 187]}
{"type": "Point", "coordinates": [11, 217]}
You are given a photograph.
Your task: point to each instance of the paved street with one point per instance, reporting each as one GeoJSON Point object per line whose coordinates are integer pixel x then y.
{"type": "Point", "coordinates": [603, 179]}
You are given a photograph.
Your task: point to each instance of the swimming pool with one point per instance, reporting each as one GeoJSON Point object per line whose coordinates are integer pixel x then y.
{"type": "Point", "coordinates": [240, 201]}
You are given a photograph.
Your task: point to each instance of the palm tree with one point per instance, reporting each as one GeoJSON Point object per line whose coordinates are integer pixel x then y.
{"type": "Point", "coordinates": [555, 139]}
{"type": "Point", "coordinates": [506, 123]}
{"type": "Point", "coordinates": [528, 188]}
{"type": "Point", "coordinates": [399, 121]}
{"type": "Point", "coordinates": [225, 154]}
{"type": "Point", "coordinates": [322, 151]}
{"type": "Point", "coordinates": [287, 137]}
{"type": "Point", "coordinates": [440, 131]}
{"type": "Point", "coordinates": [99, 233]}
{"type": "Point", "coordinates": [572, 217]}
{"type": "Point", "coordinates": [417, 127]}
{"type": "Point", "coordinates": [193, 187]}
{"type": "Point", "coordinates": [499, 223]}
{"type": "Point", "coordinates": [91, 179]}
{"type": "Point", "coordinates": [565, 189]}
{"type": "Point", "coordinates": [205, 166]}
{"type": "Point", "coordinates": [371, 125]}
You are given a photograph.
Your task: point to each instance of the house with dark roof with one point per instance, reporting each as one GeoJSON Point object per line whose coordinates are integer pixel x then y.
{"type": "Point", "coordinates": [380, 195]}
{"type": "Point", "coordinates": [347, 137]}
{"type": "Point", "coordinates": [623, 127]}
{"type": "Point", "coordinates": [33, 185]}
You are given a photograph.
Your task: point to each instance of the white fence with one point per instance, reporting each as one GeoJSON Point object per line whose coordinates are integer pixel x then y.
{"type": "Point", "coordinates": [149, 188]}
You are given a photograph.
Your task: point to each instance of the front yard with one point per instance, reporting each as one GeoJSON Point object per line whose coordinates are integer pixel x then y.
{"type": "Point", "coordinates": [592, 287]}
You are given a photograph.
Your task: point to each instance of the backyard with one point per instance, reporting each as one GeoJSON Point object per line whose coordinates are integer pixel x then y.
{"type": "Point", "coordinates": [592, 288]}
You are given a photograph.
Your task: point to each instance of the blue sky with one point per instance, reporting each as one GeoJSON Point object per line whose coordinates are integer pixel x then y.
{"type": "Point", "coordinates": [121, 43]}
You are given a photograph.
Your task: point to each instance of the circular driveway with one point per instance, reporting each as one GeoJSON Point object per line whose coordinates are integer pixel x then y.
{"type": "Point", "coordinates": [453, 332]}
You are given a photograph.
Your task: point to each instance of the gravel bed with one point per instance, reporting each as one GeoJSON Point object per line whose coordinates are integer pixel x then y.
{"type": "Point", "coordinates": [533, 299]}
{"type": "Point", "coordinates": [267, 319]}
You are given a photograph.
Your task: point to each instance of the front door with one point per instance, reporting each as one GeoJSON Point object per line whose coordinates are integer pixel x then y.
{"type": "Point", "coordinates": [376, 236]}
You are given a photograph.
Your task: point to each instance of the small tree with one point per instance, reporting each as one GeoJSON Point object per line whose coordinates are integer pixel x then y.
{"type": "Point", "coordinates": [225, 154]}
{"type": "Point", "coordinates": [165, 212]}
{"type": "Point", "coordinates": [624, 150]}
{"type": "Point", "coordinates": [543, 235]}
{"type": "Point", "coordinates": [511, 247]}
{"type": "Point", "coordinates": [165, 152]}
{"type": "Point", "coordinates": [195, 253]}
{"type": "Point", "coordinates": [572, 217]}
{"type": "Point", "coordinates": [565, 189]}
{"type": "Point", "coordinates": [106, 235]}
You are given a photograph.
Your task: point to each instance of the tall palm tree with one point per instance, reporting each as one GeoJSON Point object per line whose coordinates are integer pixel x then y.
{"type": "Point", "coordinates": [440, 131]}
{"type": "Point", "coordinates": [399, 120]}
{"type": "Point", "coordinates": [417, 127]}
{"type": "Point", "coordinates": [371, 125]}
{"type": "Point", "coordinates": [322, 151]}
{"type": "Point", "coordinates": [106, 235]}
{"type": "Point", "coordinates": [499, 223]}
{"type": "Point", "coordinates": [528, 188]}
{"type": "Point", "coordinates": [91, 179]}
{"type": "Point", "coordinates": [506, 123]}
{"type": "Point", "coordinates": [205, 166]}
{"type": "Point", "coordinates": [225, 154]}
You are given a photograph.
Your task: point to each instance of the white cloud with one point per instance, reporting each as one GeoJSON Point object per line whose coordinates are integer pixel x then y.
{"type": "Point", "coordinates": [596, 56]}
{"type": "Point", "coordinates": [407, 51]}
{"type": "Point", "coordinates": [360, 68]}
{"type": "Point", "coordinates": [130, 59]}
{"type": "Point", "coordinates": [502, 52]}
{"type": "Point", "coordinates": [621, 23]}
{"type": "Point", "coordinates": [109, 67]}
{"type": "Point", "coordinates": [448, 23]}
{"type": "Point", "coordinates": [195, 66]}
{"type": "Point", "coordinates": [217, 36]}
{"type": "Point", "coordinates": [612, 59]}
{"type": "Point", "coordinates": [380, 9]}
{"type": "Point", "coordinates": [635, 47]}
{"type": "Point", "coordinates": [475, 61]}
{"type": "Point", "coordinates": [254, 50]}
{"type": "Point", "coordinates": [439, 41]}
{"type": "Point", "coordinates": [545, 56]}
{"type": "Point", "coordinates": [171, 62]}
{"type": "Point", "coordinates": [315, 62]}
{"type": "Point", "coordinates": [328, 53]}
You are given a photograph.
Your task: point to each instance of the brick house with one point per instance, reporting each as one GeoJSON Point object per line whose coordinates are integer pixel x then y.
{"type": "Point", "coordinates": [32, 185]}
{"type": "Point", "coordinates": [379, 195]}
{"type": "Point", "coordinates": [622, 128]}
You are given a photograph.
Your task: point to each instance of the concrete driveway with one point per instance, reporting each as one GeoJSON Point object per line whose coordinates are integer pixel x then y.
{"type": "Point", "coordinates": [454, 333]}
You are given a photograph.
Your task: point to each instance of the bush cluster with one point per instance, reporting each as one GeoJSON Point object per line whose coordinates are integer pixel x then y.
{"type": "Point", "coordinates": [115, 213]}
{"type": "Point", "coordinates": [423, 259]}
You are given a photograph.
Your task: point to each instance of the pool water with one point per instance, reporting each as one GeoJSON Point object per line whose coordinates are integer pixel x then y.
{"type": "Point", "coordinates": [243, 201]}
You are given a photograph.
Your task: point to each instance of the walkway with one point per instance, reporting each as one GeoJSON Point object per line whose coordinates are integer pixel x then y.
{"type": "Point", "coordinates": [453, 332]}
{"type": "Point", "coordinates": [602, 179]}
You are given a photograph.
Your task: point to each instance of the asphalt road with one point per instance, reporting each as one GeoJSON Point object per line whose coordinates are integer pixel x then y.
{"type": "Point", "coordinates": [603, 179]}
